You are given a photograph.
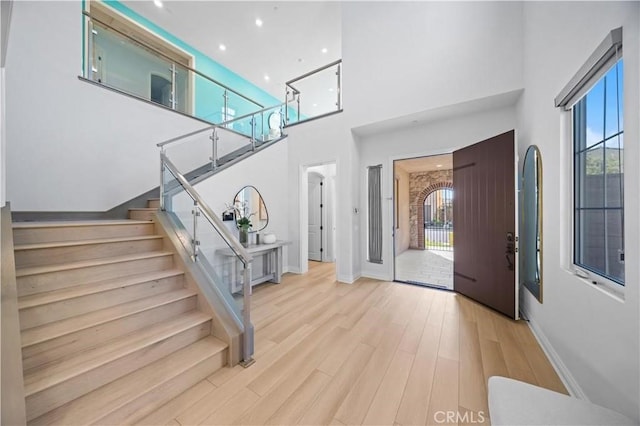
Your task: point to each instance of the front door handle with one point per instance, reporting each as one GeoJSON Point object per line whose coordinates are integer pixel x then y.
{"type": "Point", "coordinates": [511, 249]}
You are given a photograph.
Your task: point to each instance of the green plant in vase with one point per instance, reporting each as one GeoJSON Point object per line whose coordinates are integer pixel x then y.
{"type": "Point", "coordinates": [243, 220]}
{"type": "Point", "coordinates": [244, 224]}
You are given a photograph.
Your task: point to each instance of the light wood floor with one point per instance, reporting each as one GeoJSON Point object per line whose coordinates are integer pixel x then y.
{"type": "Point", "coordinates": [368, 353]}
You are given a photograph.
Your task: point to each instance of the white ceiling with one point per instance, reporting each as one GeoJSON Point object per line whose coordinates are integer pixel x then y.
{"type": "Point", "coordinates": [426, 164]}
{"type": "Point", "coordinates": [288, 44]}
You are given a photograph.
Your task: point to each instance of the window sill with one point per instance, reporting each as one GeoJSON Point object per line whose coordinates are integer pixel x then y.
{"type": "Point", "coordinates": [599, 283]}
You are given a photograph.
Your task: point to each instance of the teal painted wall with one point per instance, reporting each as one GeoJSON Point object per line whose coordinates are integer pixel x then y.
{"type": "Point", "coordinates": [208, 96]}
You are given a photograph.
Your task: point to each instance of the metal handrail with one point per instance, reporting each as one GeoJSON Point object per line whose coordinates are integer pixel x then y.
{"type": "Point", "coordinates": [322, 68]}
{"type": "Point", "coordinates": [296, 93]}
{"type": "Point", "coordinates": [147, 46]}
{"type": "Point", "coordinates": [222, 125]}
{"type": "Point", "coordinates": [260, 111]}
{"type": "Point", "coordinates": [177, 138]}
{"type": "Point", "coordinates": [226, 235]}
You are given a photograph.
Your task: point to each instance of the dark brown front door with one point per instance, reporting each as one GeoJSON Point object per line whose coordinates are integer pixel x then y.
{"type": "Point", "coordinates": [485, 261]}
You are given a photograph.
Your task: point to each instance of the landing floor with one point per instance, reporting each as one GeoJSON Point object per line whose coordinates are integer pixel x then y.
{"type": "Point", "coordinates": [434, 267]}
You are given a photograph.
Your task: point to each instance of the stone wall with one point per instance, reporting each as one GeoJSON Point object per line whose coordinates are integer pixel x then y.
{"type": "Point", "coordinates": [422, 184]}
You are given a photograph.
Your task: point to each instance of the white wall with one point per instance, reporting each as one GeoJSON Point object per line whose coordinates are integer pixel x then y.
{"type": "Point", "coordinates": [593, 335]}
{"type": "Point", "coordinates": [404, 57]}
{"type": "Point", "coordinates": [72, 146]}
{"type": "Point", "coordinates": [402, 233]}
{"type": "Point", "coordinates": [318, 142]}
{"type": "Point", "coordinates": [6, 8]}
{"type": "Point", "coordinates": [443, 136]}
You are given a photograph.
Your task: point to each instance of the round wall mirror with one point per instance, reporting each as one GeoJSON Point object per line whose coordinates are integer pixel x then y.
{"type": "Point", "coordinates": [249, 205]}
{"type": "Point", "coordinates": [531, 223]}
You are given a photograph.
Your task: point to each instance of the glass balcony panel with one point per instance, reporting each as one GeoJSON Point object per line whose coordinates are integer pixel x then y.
{"type": "Point", "coordinates": [217, 259]}
{"type": "Point", "coordinates": [192, 154]}
{"type": "Point", "coordinates": [316, 94]}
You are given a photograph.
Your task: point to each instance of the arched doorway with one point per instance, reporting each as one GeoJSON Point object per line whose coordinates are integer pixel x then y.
{"type": "Point", "coordinates": [438, 220]}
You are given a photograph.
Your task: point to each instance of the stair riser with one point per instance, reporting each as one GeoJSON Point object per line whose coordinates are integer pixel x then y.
{"type": "Point", "coordinates": [51, 350]}
{"type": "Point", "coordinates": [55, 396]}
{"type": "Point", "coordinates": [154, 203]}
{"type": "Point", "coordinates": [49, 281]}
{"type": "Point", "coordinates": [142, 214]}
{"type": "Point", "coordinates": [148, 402]}
{"type": "Point", "coordinates": [33, 317]}
{"type": "Point", "coordinates": [59, 255]}
{"type": "Point", "coordinates": [77, 233]}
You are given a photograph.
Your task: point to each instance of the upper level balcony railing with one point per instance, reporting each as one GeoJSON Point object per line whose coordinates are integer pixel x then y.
{"type": "Point", "coordinates": [137, 63]}
{"type": "Point", "coordinates": [315, 94]}
{"type": "Point", "coordinates": [128, 63]}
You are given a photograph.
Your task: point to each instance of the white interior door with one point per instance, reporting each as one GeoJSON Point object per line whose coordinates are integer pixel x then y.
{"type": "Point", "coordinates": [315, 216]}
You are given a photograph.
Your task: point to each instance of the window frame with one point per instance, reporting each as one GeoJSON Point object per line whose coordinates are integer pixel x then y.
{"type": "Point", "coordinates": [578, 185]}
{"type": "Point", "coordinates": [604, 57]}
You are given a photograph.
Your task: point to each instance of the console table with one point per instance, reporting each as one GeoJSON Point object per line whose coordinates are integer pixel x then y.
{"type": "Point", "coordinates": [271, 269]}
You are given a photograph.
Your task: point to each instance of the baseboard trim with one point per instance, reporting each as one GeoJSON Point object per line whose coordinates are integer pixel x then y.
{"type": "Point", "coordinates": [375, 276]}
{"type": "Point", "coordinates": [348, 279]}
{"type": "Point", "coordinates": [292, 270]}
{"type": "Point", "coordinates": [558, 365]}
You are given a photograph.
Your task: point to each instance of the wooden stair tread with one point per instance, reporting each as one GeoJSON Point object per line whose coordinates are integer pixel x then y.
{"type": "Point", "coordinates": [143, 209]}
{"type": "Point", "coordinates": [50, 375]}
{"type": "Point", "coordinates": [62, 224]}
{"type": "Point", "coordinates": [55, 244]}
{"type": "Point", "coordinates": [35, 270]}
{"type": "Point", "coordinates": [40, 299]}
{"type": "Point", "coordinates": [59, 328]}
{"type": "Point", "coordinates": [99, 403]}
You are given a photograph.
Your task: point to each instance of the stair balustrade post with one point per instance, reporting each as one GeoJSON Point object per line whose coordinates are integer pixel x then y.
{"type": "Point", "coordinates": [253, 133]}
{"type": "Point", "coordinates": [247, 336]}
{"type": "Point", "coordinates": [339, 77]}
{"type": "Point", "coordinates": [173, 86]}
{"type": "Point", "coordinates": [194, 241]}
{"type": "Point", "coordinates": [162, 180]}
{"type": "Point", "coordinates": [214, 148]}
{"type": "Point", "coordinates": [286, 105]}
{"type": "Point", "coordinates": [225, 97]}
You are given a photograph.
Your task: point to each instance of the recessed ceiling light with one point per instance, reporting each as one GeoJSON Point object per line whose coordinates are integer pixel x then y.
{"type": "Point", "coordinates": [266, 77]}
{"type": "Point", "coordinates": [324, 50]}
{"type": "Point", "coordinates": [438, 165]}
{"type": "Point", "coordinates": [222, 47]}
{"type": "Point", "coordinates": [331, 89]}
{"type": "Point", "coordinates": [258, 22]}
{"type": "Point", "coordinates": [158, 3]}
{"type": "Point", "coordinates": [315, 105]}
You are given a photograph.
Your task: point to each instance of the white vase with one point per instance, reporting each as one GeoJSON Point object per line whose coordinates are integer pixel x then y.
{"type": "Point", "coordinates": [268, 238]}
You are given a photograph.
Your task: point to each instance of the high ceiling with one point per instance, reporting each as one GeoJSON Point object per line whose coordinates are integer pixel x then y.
{"type": "Point", "coordinates": [289, 43]}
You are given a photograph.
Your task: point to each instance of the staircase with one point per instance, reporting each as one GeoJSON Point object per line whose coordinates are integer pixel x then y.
{"type": "Point", "coordinates": [145, 213]}
{"type": "Point", "coordinates": [109, 330]}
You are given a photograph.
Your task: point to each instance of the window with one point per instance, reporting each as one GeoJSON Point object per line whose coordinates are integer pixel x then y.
{"type": "Point", "coordinates": [598, 147]}
{"type": "Point", "coordinates": [594, 96]}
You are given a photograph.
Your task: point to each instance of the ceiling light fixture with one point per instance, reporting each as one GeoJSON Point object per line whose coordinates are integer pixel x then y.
{"type": "Point", "coordinates": [258, 22]}
{"type": "Point", "coordinates": [324, 50]}
{"type": "Point", "coordinates": [266, 77]}
{"type": "Point", "coordinates": [222, 47]}
{"type": "Point", "coordinates": [158, 3]}
{"type": "Point", "coordinates": [331, 89]}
